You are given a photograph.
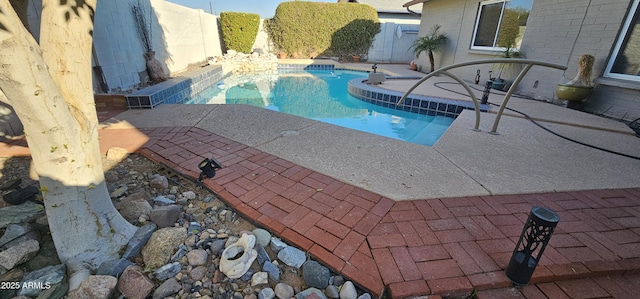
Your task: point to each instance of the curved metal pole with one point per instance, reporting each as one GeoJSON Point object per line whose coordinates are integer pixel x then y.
{"type": "Point", "coordinates": [507, 96]}
{"type": "Point", "coordinates": [473, 97]}
{"type": "Point", "coordinates": [444, 70]}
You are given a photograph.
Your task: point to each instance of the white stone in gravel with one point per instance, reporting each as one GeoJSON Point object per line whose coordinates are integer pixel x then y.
{"type": "Point", "coordinates": [189, 195]}
{"type": "Point", "coordinates": [348, 291]}
{"type": "Point", "coordinates": [259, 278]}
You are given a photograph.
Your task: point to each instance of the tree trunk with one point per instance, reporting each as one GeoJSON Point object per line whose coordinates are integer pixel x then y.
{"type": "Point", "coordinates": [432, 61]}
{"type": "Point", "coordinates": [52, 95]}
{"type": "Point", "coordinates": [21, 7]}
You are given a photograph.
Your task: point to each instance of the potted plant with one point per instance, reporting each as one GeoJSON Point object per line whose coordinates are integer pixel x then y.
{"type": "Point", "coordinates": [430, 43]}
{"type": "Point", "coordinates": [580, 87]}
{"type": "Point", "coordinates": [500, 83]}
{"type": "Point", "coordinates": [154, 67]}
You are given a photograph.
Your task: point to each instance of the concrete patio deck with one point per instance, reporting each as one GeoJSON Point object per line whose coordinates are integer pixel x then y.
{"type": "Point", "coordinates": [404, 219]}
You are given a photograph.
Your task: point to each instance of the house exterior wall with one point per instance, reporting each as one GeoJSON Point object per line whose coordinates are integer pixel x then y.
{"type": "Point", "coordinates": [558, 31]}
{"type": "Point", "coordinates": [562, 31]}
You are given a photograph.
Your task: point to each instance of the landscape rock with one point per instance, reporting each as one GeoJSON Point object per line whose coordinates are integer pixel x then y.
{"type": "Point", "coordinates": [198, 272]}
{"type": "Point", "coordinates": [315, 275]}
{"type": "Point", "coordinates": [165, 216]}
{"type": "Point", "coordinates": [133, 284]}
{"type": "Point", "coordinates": [163, 201]}
{"type": "Point", "coordinates": [56, 291]}
{"type": "Point", "coordinates": [263, 237]}
{"type": "Point", "coordinates": [160, 246]}
{"type": "Point", "coordinates": [190, 195]}
{"type": "Point", "coordinates": [113, 267]}
{"type": "Point", "coordinates": [348, 291]}
{"type": "Point", "coordinates": [197, 257]}
{"type": "Point", "coordinates": [167, 288]}
{"type": "Point", "coordinates": [332, 292]}
{"type": "Point", "coordinates": [306, 293]}
{"type": "Point", "coordinates": [116, 154]}
{"type": "Point", "coordinates": [167, 271]}
{"type": "Point", "coordinates": [117, 193]}
{"type": "Point", "coordinates": [272, 270]}
{"type": "Point", "coordinates": [26, 212]}
{"type": "Point", "coordinates": [133, 209]}
{"type": "Point", "coordinates": [159, 182]}
{"type": "Point", "coordinates": [263, 256]}
{"type": "Point", "coordinates": [182, 251]}
{"type": "Point", "coordinates": [95, 287]}
{"type": "Point", "coordinates": [284, 291]}
{"type": "Point", "coordinates": [16, 234]}
{"type": "Point", "coordinates": [51, 275]}
{"type": "Point", "coordinates": [217, 246]}
{"type": "Point", "coordinates": [277, 244]}
{"type": "Point", "coordinates": [139, 239]}
{"type": "Point", "coordinates": [259, 279]}
{"type": "Point", "coordinates": [266, 293]}
{"type": "Point", "coordinates": [292, 256]}
{"type": "Point", "coordinates": [365, 296]}
{"type": "Point", "coordinates": [19, 254]}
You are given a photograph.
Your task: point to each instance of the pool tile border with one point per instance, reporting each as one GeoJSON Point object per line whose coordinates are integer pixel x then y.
{"type": "Point", "coordinates": [175, 90]}
{"type": "Point", "coordinates": [420, 104]}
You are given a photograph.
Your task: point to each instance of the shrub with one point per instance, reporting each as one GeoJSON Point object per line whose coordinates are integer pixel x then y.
{"type": "Point", "coordinates": [334, 29]}
{"type": "Point", "coordinates": [239, 30]}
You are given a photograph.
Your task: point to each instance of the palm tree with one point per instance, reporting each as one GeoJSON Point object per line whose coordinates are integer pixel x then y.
{"type": "Point", "coordinates": [430, 43]}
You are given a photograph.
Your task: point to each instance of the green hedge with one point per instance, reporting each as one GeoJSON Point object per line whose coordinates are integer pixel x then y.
{"type": "Point", "coordinates": [307, 29]}
{"type": "Point", "coordinates": [239, 30]}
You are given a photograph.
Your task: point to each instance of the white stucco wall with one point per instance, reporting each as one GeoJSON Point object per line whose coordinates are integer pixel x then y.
{"type": "Point", "coordinates": [181, 37]}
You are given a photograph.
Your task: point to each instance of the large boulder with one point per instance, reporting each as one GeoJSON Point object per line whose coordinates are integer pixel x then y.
{"type": "Point", "coordinates": [160, 246]}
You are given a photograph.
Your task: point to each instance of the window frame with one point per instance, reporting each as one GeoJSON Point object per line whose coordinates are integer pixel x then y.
{"type": "Point", "coordinates": [633, 11]}
{"type": "Point", "coordinates": [477, 23]}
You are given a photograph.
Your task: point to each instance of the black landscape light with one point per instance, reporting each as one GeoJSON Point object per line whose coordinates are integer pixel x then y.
{"type": "Point", "coordinates": [208, 168]}
{"type": "Point", "coordinates": [533, 240]}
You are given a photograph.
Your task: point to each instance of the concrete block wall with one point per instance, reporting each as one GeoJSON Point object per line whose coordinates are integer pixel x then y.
{"type": "Point", "coordinates": [388, 48]}
{"type": "Point", "coordinates": [181, 37]}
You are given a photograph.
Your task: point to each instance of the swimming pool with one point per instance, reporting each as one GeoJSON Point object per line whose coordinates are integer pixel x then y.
{"type": "Point", "coordinates": [322, 95]}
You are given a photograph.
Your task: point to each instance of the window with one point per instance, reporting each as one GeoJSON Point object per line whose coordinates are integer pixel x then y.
{"type": "Point", "coordinates": [500, 24]}
{"type": "Point", "coordinates": [625, 60]}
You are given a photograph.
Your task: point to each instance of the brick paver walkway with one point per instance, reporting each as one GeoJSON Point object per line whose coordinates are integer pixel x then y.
{"type": "Point", "coordinates": [434, 246]}
{"type": "Point", "coordinates": [439, 246]}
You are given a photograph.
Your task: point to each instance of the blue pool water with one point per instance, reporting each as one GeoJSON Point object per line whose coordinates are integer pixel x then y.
{"type": "Point", "coordinates": [322, 95]}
